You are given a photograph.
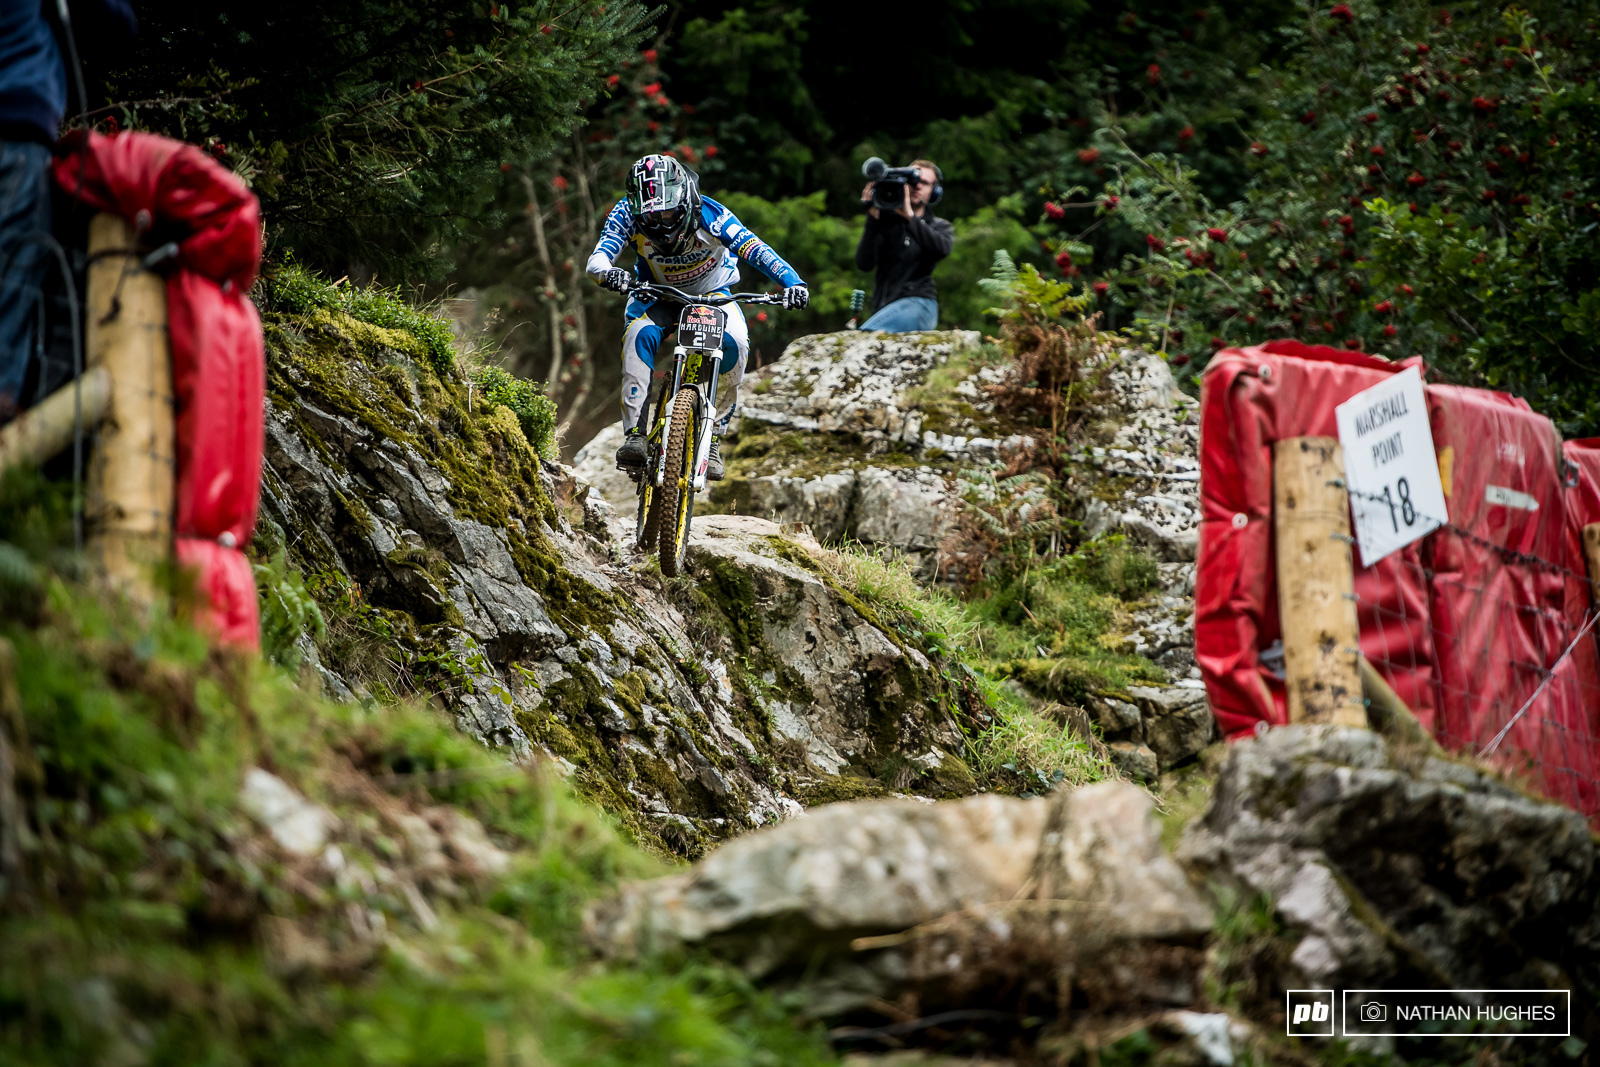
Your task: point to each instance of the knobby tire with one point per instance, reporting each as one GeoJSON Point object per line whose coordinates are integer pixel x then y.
{"type": "Point", "coordinates": [677, 490]}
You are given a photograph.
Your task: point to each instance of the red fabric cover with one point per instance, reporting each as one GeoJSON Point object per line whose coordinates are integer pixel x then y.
{"type": "Point", "coordinates": [225, 577]}
{"type": "Point", "coordinates": [1499, 625]}
{"type": "Point", "coordinates": [173, 191]}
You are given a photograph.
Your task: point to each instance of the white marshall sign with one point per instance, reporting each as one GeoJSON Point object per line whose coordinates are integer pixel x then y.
{"type": "Point", "coordinates": [1389, 465]}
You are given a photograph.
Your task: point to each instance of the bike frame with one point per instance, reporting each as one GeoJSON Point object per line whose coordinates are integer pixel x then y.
{"type": "Point", "coordinates": [687, 364]}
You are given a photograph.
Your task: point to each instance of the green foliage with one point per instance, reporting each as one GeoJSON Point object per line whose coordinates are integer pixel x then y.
{"type": "Point", "coordinates": [1027, 742]}
{"type": "Point", "coordinates": [535, 411]}
{"type": "Point", "coordinates": [288, 611]}
{"type": "Point", "coordinates": [820, 247]}
{"type": "Point", "coordinates": [891, 586]}
{"type": "Point", "coordinates": [370, 130]}
{"type": "Point", "coordinates": [292, 288]}
{"type": "Point", "coordinates": [1424, 182]}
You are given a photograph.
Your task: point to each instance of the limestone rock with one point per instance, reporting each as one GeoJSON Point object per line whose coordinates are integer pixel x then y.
{"type": "Point", "coordinates": [692, 710]}
{"type": "Point", "coordinates": [1138, 762]}
{"type": "Point", "coordinates": [843, 382]}
{"type": "Point", "coordinates": [595, 463]}
{"type": "Point", "coordinates": [840, 871]}
{"type": "Point", "coordinates": [300, 827]}
{"type": "Point", "coordinates": [1397, 869]}
{"type": "Point", "coordinates": [1177, 720]}
{"type": "Point", "coordinates": [952, 903]}
{"type": "Point", "coordinates": [1153, 454]}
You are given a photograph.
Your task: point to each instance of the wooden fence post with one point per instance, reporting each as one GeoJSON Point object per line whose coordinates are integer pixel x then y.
{"type": "Point", "coordinates": [1591, 558]}
{"type": "Point", "coordinates": [1316, 584]}
{"type": "Point", "coordinates": [131, 478]}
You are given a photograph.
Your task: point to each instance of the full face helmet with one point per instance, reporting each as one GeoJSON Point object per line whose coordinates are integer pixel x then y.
{"type": "Point", "coordinates": [664, 196]}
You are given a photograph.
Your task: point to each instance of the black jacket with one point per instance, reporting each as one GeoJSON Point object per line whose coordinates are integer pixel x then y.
{"type": "Point", "coordinates": [904, 254]}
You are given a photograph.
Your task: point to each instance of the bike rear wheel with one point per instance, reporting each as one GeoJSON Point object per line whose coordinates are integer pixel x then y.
{"type": "Point", "coordinates": [677, 488]}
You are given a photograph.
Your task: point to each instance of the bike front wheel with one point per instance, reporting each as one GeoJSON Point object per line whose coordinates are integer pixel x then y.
{"type": "Point", "coordinates": [677, 487]}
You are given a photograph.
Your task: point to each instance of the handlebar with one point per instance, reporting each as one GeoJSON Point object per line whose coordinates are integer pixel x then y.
{"type": "Point", "coordinates": [714, 299]}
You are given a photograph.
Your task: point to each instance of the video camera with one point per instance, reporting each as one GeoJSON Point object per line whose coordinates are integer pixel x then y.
{"type": "Point", "coordinates": [889, 183]}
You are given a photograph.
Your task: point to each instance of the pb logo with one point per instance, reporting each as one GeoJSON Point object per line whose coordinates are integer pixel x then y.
{"type": "Point", "coordinates": [1309, 1012]}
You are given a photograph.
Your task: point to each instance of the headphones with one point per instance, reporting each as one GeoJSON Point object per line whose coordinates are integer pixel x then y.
{"type": "Point", "coordinates": [938, 186]}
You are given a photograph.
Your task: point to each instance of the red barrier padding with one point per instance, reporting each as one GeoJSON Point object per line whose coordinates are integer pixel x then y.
{"type": "Point", "coordinates": [224, 576]}
{"type": "Point", "coordinates": [218, 363]}
{"type": "Point", "coordinates": [1467, 623]}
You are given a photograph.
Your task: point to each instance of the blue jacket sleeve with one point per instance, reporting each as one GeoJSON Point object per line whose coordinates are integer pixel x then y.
{"type": "Point", "coordinates": [725, 227]}
{"type": "Point", "coordinates": [614, 237]}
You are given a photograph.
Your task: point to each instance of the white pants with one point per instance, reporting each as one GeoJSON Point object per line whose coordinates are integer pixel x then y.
{"type": "Point", "coordinates": [647, 322]}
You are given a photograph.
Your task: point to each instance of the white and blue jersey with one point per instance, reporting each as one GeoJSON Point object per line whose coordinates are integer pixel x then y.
{"type": "Point", "coordinates": [710, 265]}
{"type": "Point", "coordinates": [711, 261]}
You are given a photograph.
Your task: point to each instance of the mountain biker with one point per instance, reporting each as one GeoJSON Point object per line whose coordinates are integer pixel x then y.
{"type": "Point", "coordinates": [692, 243]}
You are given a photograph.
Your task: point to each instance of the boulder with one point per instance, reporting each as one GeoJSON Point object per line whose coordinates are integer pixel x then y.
{"type": "Point", "coordinates": [1177, 721]}
{"type": "Point", "coordinates": [959, 903]}
{"type": "Point", "coordinates": [1390, 867]}
{"type": "Point", "coordinates": [777, 896]}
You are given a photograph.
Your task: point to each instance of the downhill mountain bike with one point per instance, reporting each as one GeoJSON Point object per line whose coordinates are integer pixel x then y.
{"type": "Point", "coordinates": [679, 442]}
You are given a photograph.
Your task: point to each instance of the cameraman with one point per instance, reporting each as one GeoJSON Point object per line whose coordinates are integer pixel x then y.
{"type": "Point", "coordinates": [904, 245]}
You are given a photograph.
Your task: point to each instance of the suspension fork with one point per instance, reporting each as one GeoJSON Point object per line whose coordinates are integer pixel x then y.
{"type": "Point", "coordinates": [708, 416]}
{"type": "Point", "coordinates": [668, 399]}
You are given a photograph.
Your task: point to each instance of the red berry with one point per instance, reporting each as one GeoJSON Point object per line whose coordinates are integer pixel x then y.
{"type": "Point", "coordinates": [1257, 148]}
{"type": "Point", "coordinates": [1088, 155]}
{"type": "Point", "coordinates": [1152, 73]}
{"type": "Point", "coordinates": [1416, 179]}
{"type": "Point", "coordinates": [652, 89]}
{"type": "Point", "coordinates": [560, 182]}
{"type": "Point", "coordinates": [1063, 259]}
{"type": "Point", "coordinates": [761, 316]}
{"type": "Point", "coordinates": [1383, 307]}
{"type": "Point", "coordinates": [1308, 118]}
{"type": "Point", "coordinates": [1111, 202]}
{"type": "Point", "coordinates": [1054, 210]}
{"type": "Point", "coordinates": [1406, 290]}
{"type": "Point", "coordinates": [1352, 343]}
{"type": "Point", "coordinates": [1155, 242]}
{"type": "Point", "coordinates": [1377, 150]}
{"type": "Point", "coordinates": [1180, 359]}
{"type": "Point", "coordinates": [1389, 330]}
{"type": "Point", "coordinates": [1101, 288]}
{"type": "Point", "coordinates": [547, 29]}
{"type": "Point", "coordinates": [1185, 134]}
{"type": "Point", "coordinates": [1343, 13]}
{"type": "Point", "coordinates": [613, 80]}
{"type": "Point", "coordinates": [711, 151]}
{"type": "Point", "coordinates": [649, 55]}
{"type": "Point", "coordinates": [1217, 234]}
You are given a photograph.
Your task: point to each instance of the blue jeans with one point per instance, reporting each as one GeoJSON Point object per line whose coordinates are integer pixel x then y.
{"type": "Point", "coordinates": [910, 314]}
{"type": "Point", "coordinates": [24, 222]}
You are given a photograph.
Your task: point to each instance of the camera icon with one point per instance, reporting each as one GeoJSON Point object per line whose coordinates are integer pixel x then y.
{"type": "Point", "coordinates": [1372, 1012]}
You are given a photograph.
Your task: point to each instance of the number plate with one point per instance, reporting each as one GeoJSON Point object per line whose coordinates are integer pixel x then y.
{"type": "Point", "coordinates": [700, 326]}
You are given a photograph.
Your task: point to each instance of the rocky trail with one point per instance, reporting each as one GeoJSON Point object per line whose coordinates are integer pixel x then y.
{"type": "Point", "coordinates": [1170, 903]}
{"type": "Point", "coordinates": [876, 439]}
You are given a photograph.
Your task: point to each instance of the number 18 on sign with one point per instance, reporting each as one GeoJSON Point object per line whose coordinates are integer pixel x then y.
{"type": "Point", "coordinates": [1389, 465]}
